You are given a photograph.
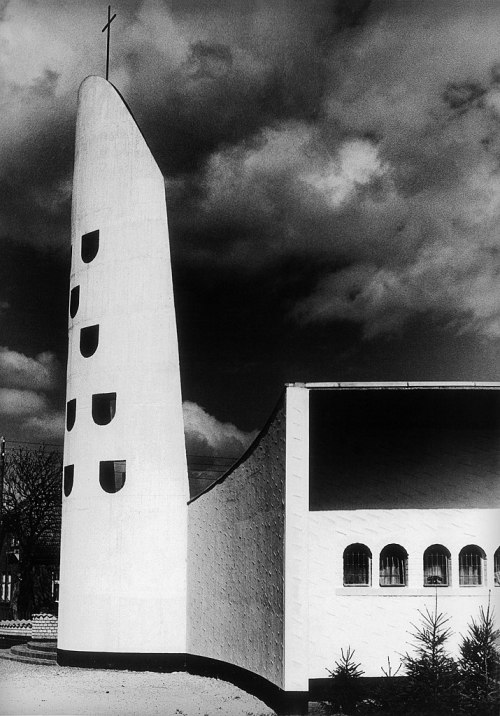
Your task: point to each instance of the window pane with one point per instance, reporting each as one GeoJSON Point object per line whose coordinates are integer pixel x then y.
{"type": "Point", "coordinates": [496, 567]}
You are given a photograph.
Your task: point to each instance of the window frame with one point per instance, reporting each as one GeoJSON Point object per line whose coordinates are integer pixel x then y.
{"type": "Point", "coordinates": [400, 554]}
{"type": "Point", "coordinates": [440, 551]}
{"type": "Point", "coordinates": [361, 551]}
{"type": "Point", "coordinates": [473, 551]}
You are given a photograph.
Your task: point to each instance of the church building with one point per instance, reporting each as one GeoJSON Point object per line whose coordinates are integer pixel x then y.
{"type": "Point", "coordinates": [357, 505]}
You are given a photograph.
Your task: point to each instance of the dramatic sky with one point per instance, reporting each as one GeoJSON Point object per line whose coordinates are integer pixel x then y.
{"type": "Point", "coordinates": [332, 171]}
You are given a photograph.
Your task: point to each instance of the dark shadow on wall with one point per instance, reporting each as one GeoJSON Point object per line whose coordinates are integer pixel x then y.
{"type": "Point", "coordinates": [404, 448]}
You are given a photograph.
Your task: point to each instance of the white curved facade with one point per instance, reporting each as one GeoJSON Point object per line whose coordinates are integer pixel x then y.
{"type": "Point", "coordinates": [123, 553]}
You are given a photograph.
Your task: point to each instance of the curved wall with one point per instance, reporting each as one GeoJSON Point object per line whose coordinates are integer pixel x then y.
{"type": "Point", "coordinates": [123, 553]}
{"type": "Point", "coordinates": [235, 573]}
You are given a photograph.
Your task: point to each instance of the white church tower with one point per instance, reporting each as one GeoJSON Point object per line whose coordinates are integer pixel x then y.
{"type": "Point", "coordinates": [124, 527]}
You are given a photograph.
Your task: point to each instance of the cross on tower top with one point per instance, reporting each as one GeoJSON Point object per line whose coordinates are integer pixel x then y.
{"type": "Point", "coordinates": [107, 27]}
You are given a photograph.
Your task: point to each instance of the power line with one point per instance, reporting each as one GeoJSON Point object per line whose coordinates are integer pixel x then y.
{"type": "Point", "coordinates": [27, 442]}
{"type": "Point", "coordinates": [206, 458]}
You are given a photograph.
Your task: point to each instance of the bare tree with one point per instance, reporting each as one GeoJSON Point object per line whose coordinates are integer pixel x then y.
{"type": "Point", "coordinates": [32, 515]}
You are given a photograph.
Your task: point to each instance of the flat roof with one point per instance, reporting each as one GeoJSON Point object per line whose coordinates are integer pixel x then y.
{"type": "Point", "coordinates": [467, 384]}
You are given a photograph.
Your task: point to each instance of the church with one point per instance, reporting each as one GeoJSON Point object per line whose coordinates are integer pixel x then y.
{"type": "Point", "coordinates": [357, 505]}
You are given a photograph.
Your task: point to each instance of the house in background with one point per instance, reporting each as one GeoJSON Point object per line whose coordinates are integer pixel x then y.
{"type": "Point", "coordinates": [45, 569]}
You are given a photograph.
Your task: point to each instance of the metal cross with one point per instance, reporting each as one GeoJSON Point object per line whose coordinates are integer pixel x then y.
{"type": "Point", "coordinates": [107, 27]}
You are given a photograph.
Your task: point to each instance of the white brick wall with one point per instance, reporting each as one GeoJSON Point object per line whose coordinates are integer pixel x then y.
{"type": "Point", "coordinates": [375, 620]}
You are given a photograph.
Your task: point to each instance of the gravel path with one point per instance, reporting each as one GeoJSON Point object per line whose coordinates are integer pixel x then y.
{"type": "Point", "coordinates": [29, 689]}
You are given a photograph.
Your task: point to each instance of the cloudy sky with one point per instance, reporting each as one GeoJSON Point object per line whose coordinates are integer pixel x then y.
{"type": "Point", "coordinates": [333, 186]}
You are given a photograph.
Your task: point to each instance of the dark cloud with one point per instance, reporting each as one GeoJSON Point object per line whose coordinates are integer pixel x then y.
{"type": "Point", "coordinates": [332, 173]}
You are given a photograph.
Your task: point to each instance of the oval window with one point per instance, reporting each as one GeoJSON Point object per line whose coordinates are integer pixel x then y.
{"type": "Point", "coordinates": [90, 246]}
{"type": "Point", "coordinates": [103, 408]}
{"type": "Point", "coordinates": [74, 301]}
{"type": "Point", "coordinates": [89, 340]}
{"type": "Point", "coordinates": [69, 473]}
{"type": "Point", "coordinates": [112, 475]}
{"type": "Point", "coordinates": [70, 413]}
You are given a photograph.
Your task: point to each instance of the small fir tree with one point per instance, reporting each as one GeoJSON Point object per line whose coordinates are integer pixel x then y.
{"type": "Point", "coordinates": [346, 690]}
{"type": "Point", "coordinates": [432, 675]}
{"type": "Point", "coordinates": [480, 665]}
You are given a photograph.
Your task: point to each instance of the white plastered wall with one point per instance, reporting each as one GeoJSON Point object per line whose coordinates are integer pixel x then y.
{"type": "Point", "coordinates": [296, 669]}
{"type": "Point", "coordinates": [235, 571]}
{"type": "Point", "coordinates": [123, 555]}
{"type": "Point", "coordinates": [375, 620]}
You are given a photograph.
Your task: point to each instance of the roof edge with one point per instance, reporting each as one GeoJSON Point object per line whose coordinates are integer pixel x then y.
{"type": "Point", "coordinates": [403, 384]}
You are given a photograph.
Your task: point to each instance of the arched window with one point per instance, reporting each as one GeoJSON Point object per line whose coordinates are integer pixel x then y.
{"type": "Point", "coordinates": [70, 413]}
{"type": "Point", "coordinates": [471, 565]}
{"type": "Point", "coordinates": [90, 246]}
{"type": "Point", "coordinates": [357, 565]}
{"type": "Point", "coordinates": [69, 473]}
{"type": "Point", "coordinates": [112, 475]}
{"type": "Point", "coordinates": [74, 301]}
{"type": "Point", "coordinates": [103, 408]}
{"type": "Point", "coordinates": [89, 340]}
{"type": "Point", "coordinates": [393, 566]}
{"type": "Point", "coordinates": [496, 567]}
{"type": "Point", "coordinates": [436, 566]}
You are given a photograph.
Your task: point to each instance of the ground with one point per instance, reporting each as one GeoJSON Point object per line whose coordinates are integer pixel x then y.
{"type": "Point", "coordinates": [51, 690]}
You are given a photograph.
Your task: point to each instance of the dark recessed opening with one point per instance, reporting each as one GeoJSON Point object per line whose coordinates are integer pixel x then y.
{"type": "Point", "coordinates": [74, 301]}
{"type": "Point", "coordinates": [70, 413]}
{"type": "Point", "coordinates": [89, 340]}
{"type": "Point", "coordinates": [90, 246]}
{"type": "Point", "coordinates": [112, 475]}
{"type": "Point", "coordinates": [69, 473]}
{"type": "Point", "coordinates": [103, 408]}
